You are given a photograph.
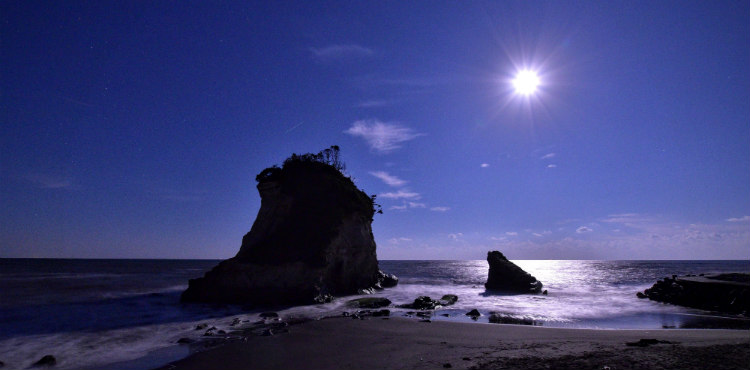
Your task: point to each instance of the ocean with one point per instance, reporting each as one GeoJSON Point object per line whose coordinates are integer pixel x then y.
{"type": "Point", "coordinates": [126, 314]}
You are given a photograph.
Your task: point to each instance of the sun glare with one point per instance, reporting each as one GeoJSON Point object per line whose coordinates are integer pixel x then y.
{"type": "Point", "coordinates": [526, 82]}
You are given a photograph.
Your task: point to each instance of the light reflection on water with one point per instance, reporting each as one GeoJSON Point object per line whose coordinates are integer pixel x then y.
{"type": "Point", "coordinates": [588, 294]}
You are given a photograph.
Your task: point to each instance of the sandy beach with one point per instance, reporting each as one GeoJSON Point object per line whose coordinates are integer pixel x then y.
{"type": "Point", "coordinates": [403, 343]}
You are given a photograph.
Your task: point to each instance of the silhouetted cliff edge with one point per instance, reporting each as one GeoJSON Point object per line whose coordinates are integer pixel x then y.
{"type": "Point", "coordinates": [312, 239]}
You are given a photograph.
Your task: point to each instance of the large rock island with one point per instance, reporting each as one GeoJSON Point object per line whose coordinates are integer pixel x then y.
{"type": "Point", "coordinates": [728, 293]}
{"type": "Point", "coordinates": [506, 276]}
{"type": "Point", "coordinates": [312, 239]}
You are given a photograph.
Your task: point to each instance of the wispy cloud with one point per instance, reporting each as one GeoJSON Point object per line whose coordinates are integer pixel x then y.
{"type": "Point", "coordinates": [336, 52]}
{"type": "Point", "coordinates": [484, 165]}
{"type": "Point", "coordinates": [401, 194]}
{"type": "Point", "coordinates": [293, 127]}
{"type": "Point", "coordinates": [382, 137]}
{"type": "Point", "coordinates": [548, 156]}
{"type": "Point", "coordinates": [373, 103]}
{"type": "Point", "coordinates": [583, 230]}
{"type": "Point", "coordinates": [511, 233]}
{"type": "Point", "coordinates": [455, 236]}
{"type": "Point", "coordinates": [440, 209]}
{"type": "Point", "coordinates": [399, 240]}
{"type": "Point", "coordinates": [388, 178]}
{"type": "Point", "coordinates": [551, 166]}
{"type": "Point", "coordinates": [739, 219]}
{"type": "Point", "coordinates": [49, 181]}
{"type": "Point", "coordinates": [408, 205]}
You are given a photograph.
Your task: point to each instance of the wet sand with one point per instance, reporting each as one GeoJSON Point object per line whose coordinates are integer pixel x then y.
{"type": "Point", "coordinates": [402, 343]}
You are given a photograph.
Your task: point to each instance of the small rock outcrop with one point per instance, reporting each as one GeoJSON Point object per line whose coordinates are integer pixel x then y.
{"type": "Point", "coordinates": [312, 239]}
{"type": "Point", "coordinates": [47, 360]}
{"type": "Point", "coordinates": [729, 293]}
{"type": "Point", "coordinates": [369, 302]}
{"type": "Point", "coordinates": [427, 303]}
{"type": "Point", "coordinates": [505, 276]}
{"type": "Point", "coordinates": [504, 318]}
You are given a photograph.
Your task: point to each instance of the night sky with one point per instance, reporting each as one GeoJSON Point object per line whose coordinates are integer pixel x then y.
{"type": "Point", "coordinates": [135, 129]}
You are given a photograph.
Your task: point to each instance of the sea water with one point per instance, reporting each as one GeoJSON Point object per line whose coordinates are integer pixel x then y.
{"type": "Point", "coordinates": [126, 314]}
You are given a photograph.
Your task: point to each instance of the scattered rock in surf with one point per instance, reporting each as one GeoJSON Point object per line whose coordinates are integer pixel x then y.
{"type": "Point", "coordinates": [312, 239]}
{"type": "Point", "coordinates": [210, 332]}
{"type": "Point", "coordinates": [47, 360]}
{"type": "Point", "coordinates": [427, 303]}
{"type": "Point", "coordinates": [502, 318]}
{"type": "Point", "coordinates": [447, 365]}
{"type": "Point", "coordinates": [201, 326]}
{"type": "Point", "coordinates": [323, 298]}
{"type": "Point", "coordinates": [544, 292]}
{"type": "Point", "coordinates": [369, 302]}
{"type": "Point", "coordinates": [506, 276]}
{"type": "Point", "coordinates": [185, 341]}
{"type": "Point", "coordinates": [646, 342]}
{"type": "Point", "coordinates": [448, 299]}
{"type": "Point", "coordinates": [381, 313]}
{"type": "Point", "coordinates": [268, 315]}
{"type": "Point", "coordinates": [425, 315]}
{"type": "Point", "coordinates": [474, 314]}
{"type": "Point", "coordinates": [387, 280]}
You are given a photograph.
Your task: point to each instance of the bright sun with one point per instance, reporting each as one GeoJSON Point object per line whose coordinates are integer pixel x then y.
{"type": "Point", "coordinates": [526, 82]}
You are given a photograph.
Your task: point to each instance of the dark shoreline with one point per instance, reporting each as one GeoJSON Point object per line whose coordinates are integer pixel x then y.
{"type": "Point", "coordinates": [391, 343]}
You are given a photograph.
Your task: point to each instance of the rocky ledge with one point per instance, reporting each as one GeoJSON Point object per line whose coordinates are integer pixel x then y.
{"type": "Point", "coordinates": [506, 276]}
{"type": "Point", "coordinates": [729, 293]}
{"type": "Point", "coordinates": [312, 239]}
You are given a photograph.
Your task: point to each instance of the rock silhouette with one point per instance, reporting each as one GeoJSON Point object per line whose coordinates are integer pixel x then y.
{"type": "Point", "coordinates": [505, 276]}
{"type": "Point", "coordinates": [312, 239]}
{"type": "Point", "coordinates": [728, 293]}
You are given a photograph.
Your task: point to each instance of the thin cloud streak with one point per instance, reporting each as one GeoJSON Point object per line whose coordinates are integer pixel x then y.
{"type": "Point", "coordinates": [334, 52]}
{"type": "Point", "coordinates": [388, 178]}
{"type": "Point", "coordinates": [548, 156]}
{"type": "Point", "coordinates": [49, 181]}
{"type": "Point", "coordinates": [401, 194]}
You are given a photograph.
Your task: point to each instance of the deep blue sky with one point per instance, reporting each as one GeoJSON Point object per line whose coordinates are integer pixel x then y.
{"type": "Point", "coordinates": [135, 129]}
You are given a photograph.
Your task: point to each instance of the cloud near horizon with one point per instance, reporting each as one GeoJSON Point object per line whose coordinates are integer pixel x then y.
{"type": "Point", "coordinates": [739, 219]}
{"type": "Point", "coordinates": [382, 137]}
{"type": "Point", "coordinates": [334, 52]}
{"type": "Point", "coordinates": [440, 209]}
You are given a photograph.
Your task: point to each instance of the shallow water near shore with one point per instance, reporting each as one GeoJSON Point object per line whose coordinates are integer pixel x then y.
{"type": "Point", "coordinates": [126, 313]}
